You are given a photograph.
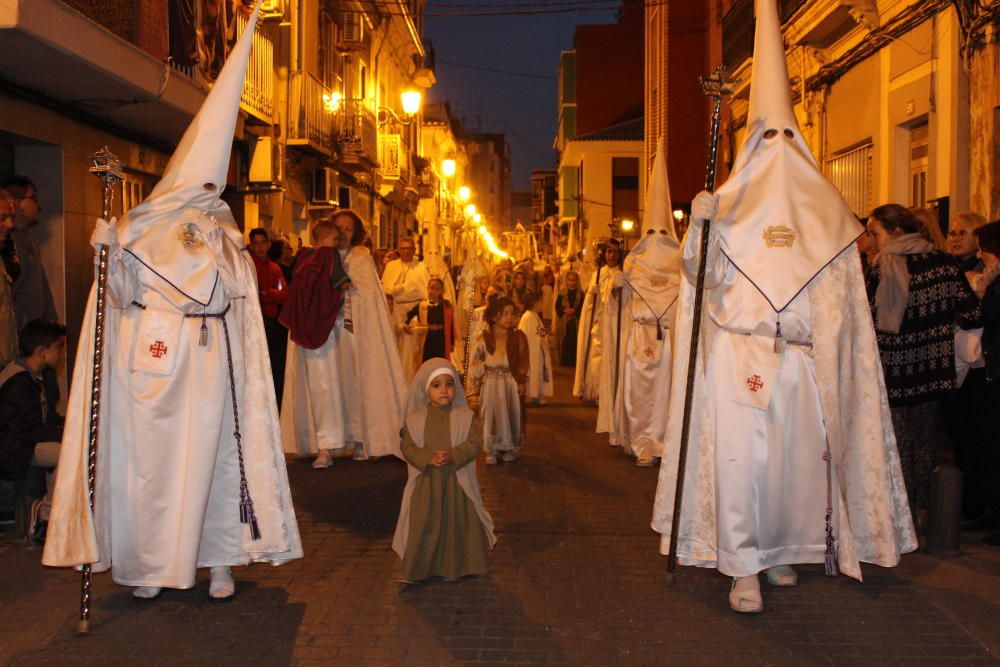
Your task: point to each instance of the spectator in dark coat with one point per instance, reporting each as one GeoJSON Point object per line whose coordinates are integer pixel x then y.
{"type": "Point", "coordinates": [988, 287]}
{"type": "Point", "coordinates": [918, 297]}
{"type": "Point", "coordinates": [30, 427]}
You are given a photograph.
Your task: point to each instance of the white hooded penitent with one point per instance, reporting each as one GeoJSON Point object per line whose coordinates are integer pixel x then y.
{"type": "Point", "coordinates": [192, 185]}
{"type": "Point", "coordinates": [781, 241]}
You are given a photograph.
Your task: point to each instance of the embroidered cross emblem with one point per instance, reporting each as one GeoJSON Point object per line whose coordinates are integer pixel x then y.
{"type": "Point", "coordinates": [158, 349]}
{"type": "Point", "coordinates": [754, 383]}
{"type": "Point", "coordinates": [648, 352]}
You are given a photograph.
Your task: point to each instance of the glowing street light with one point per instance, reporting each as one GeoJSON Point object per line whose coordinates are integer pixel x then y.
{"type": "Point", "coordinates": [627, 225]}
{"type": "Point", "coordinates": [678, 214]}
{"type": "Point", "coordinates": [331, 101]}
{"type": "Point", "coordinates": [411, 102]}
{"type": "Point", "coordinates": [470, 210]}
{"type": "Point", "coordinates": [464, 193]}
{"type": "Point", "coordinates": [448, 168]}
{"type": "Point", "coordinates": [477, 218]}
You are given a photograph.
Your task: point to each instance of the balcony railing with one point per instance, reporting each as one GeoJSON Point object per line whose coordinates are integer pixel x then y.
{"type": "Point", "coordinates": [311, 119]}
{"type": "Point", "coordinates": [737, 34]}
{"type": "Point", "coordinates": [359, 134]}
{"type": "Point", "coordinates": [258, 87]}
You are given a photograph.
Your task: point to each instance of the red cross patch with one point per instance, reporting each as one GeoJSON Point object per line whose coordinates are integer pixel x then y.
{"type": "Point", "coordinates": [754, 383]}
{"type": "Point", "coordinates": [158, 349]}
{"type": "Point", "coordinates": [648, 352]}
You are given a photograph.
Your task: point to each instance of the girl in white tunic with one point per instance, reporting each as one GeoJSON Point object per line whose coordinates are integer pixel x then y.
{"type": "Point", "coordinates": [531, 325]}
{"type": "Point", "coordinates": [498, 373]}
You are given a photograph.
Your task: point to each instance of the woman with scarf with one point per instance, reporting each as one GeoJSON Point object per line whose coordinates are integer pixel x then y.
{"type": "Point", "coordinates": [918, 297]}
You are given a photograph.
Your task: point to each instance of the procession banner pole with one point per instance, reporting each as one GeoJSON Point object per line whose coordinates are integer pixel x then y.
{"type": "Point", "coordinates": [716, 86]}
{"type": "Point", "coordinates": [108, 168]}
{"type": "Point", "coordinates": [468, 335]}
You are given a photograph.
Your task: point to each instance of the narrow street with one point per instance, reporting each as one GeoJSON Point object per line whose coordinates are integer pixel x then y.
{"type": "Point", "coordinates": [576, 579]}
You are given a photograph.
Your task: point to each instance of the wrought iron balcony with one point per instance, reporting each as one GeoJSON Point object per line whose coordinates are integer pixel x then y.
{"type": "Point", "coordinates": [312, 117]}
{"type": "Point", "coordinates": [258, 87]}
{"type": "Point", "coordinates": [358, 136]}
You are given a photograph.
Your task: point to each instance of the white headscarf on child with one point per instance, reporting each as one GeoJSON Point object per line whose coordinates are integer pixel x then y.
{"type": "Point", "coordinates": [461, 418]}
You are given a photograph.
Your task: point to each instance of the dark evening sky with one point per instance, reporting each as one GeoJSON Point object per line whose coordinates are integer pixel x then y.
{"type": "Point", "coordinates": [522, 107]}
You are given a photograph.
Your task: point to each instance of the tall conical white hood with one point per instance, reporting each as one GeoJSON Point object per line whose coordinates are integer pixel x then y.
{"type": "Point", "coordinates": [780, 220]}
{"type": "Point", "coordinates": [158, 231]}
{"type": "Point", "coordinates": [652, 268]}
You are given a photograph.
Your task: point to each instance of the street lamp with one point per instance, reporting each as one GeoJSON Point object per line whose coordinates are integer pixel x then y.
{"type": "Point", "coordinates": [411, 102]}
{"type": "Point", "coordinates": [464, 193]}
{"type": "Point", "coordinates": [448, 168]}
{"type": "Point", "coordinates": [627, 225]}
{"type": "Point", "coordinates": [477, 218]}
{"type": "Point", "coordinates": [678, 214]}
{"type": "Point", "coordinates": [332, 101]}
{"type": "Point", "coordinates": [470, 210]}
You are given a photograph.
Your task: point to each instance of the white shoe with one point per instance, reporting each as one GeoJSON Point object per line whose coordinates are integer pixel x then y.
{"type": "Point", "coordinates": [645, 461]}
{"type": "Point", "coordinates": [359, 453]}
{"type": "Point", "coordinates": [782, 575]}
{"type": "Point", "coordinates": [221, 586]}
{"type": "Point", "coordinates": [323, 460]}
{"type": "Point", "coordinates": [491, 460]}
{"type": "Point", "coordinates": [509, 456]}
{"type": "Point", "coordinates": [744, 596]}
{"type": "Point", "coordinates": [147, 592]}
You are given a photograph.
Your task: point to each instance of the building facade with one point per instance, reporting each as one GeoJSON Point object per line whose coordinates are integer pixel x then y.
{"type": "Point", "coordinates": [489, 176]}
{"type": "Point", "coordinates": [322, 120]}
{"type": "Point", "coordinates": [600, 132]}
{"type": "Point", "coordinates": [898, 100]}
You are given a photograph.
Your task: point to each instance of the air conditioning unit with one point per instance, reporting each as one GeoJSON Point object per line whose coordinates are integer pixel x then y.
{"type": "Point", "coordinates": [325, 187]}
{"type": "Point", "coordinates": [352, 34]}
{"type": "Point", "coordinates": [265, 161]}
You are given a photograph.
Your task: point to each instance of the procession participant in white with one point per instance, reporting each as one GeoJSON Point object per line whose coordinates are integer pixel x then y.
{"type": "Point", "coordinates": [792, 457]}
{"type": "Point", "coordinates": [348, 393]}
{"type": "Point", "coordinates": [406, 280]}
{"type": "Point", "coordinates": [593, 334]}
{"type": "Point", "coordinates": [540, 378]}
{"type": "Point", "coordinates": [190, 470]}
{"type": "Point", "coordinates": [649, 295]}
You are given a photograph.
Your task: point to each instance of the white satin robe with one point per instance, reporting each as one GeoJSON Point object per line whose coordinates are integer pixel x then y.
{"type": "Point", "coordinates": [593, 328]}
{"type": "Point", "coordinates": [770, 473]}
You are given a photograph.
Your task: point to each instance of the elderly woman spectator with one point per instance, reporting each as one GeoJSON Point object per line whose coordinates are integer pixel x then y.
{"type": "Point", "coordinates": [918, 296]}
{"type": "Point", "coordinates": [966, 412]}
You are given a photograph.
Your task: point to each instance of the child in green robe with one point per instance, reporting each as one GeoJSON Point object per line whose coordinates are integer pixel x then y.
{"type": "Point", "coordinates": [443, 529]}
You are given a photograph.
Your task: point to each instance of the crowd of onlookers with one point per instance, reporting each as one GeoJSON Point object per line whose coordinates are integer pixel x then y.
{"type": "Point", "coordinates": [935, 302]}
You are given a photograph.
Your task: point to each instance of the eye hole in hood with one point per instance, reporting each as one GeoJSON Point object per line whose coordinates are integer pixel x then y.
{"type": "Point", "coordinates": [770, 134]}
{"type": "Point", "coordinates": [789, 133]}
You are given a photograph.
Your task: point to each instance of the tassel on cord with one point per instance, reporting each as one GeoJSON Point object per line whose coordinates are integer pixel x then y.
{"type": "Point", "coordinates": [203, 334]}
{"type": "Point", "coordinates": [247, 515]}
{"type": "Point", "coordinates": [659, 330]}
{"type": "Point", "coordinates": [830, 559]}
{"type": "Point", "coordinates": [779, 342]}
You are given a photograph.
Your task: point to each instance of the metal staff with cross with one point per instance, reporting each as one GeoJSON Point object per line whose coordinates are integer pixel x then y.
{"type": "Point", "coordinates": [716, 86]}
{"type": "Point", "coordinates": [108, 168]}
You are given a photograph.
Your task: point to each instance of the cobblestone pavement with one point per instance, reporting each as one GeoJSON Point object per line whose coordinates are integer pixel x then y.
{"type": "Point", "coordinates": [576, 579]}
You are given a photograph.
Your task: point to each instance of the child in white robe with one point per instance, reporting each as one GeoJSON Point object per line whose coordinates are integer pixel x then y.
{"type": "Point", "coordinates": [533, 327]}
{"type": "Point", "coordinates": [443, 529]}
{"type": "Point", "coordinates": [498, 373]}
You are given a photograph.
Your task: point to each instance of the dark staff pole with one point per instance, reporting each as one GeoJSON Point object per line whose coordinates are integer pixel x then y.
{"type": "Point", "coordinates": [716, 86]}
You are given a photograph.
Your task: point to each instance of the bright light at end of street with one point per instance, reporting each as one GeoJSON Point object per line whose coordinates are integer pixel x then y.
{"type": "Point", "coordinates": [464, 193]}
{"type": "Point", "coordinates": [448, 168]}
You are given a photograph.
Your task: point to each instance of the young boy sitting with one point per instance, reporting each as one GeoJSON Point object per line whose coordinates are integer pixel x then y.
{"type": "Point", "coordinates": [30, 427]}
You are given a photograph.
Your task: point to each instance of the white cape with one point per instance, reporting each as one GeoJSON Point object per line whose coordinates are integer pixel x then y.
{"type": "Point", "coordinates": [874, 523]}
{"type": "Point", "coordinates": [76, 536]}
{"type": "Point", "coordinates": [540, 373]}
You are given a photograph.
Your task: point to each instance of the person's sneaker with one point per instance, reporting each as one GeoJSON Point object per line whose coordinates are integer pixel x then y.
{"type": "Point", "coordinates": [491, 460]}
{"type": "Point", "coordinates": [323, 460]}
{"type": "Point", "coordinates": [509, 456]}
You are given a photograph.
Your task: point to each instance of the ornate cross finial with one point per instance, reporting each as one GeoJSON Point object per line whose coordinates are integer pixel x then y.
{"type": "Point", "coordinates": [107, 166]}
{"type": "Point", "coordinates": [719, 84]}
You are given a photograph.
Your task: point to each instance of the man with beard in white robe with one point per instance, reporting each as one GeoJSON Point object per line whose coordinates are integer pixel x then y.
{"type": "Point", "coordinates": [190, 471]}
{"type": "Point", "coordinates": [791, 454]}
{"type": "Point", "coordinates": [598, 322]}
{"type": "Point", "coordinates": [348, 394]}
{"type": "Point", "coordinates": [405, 280]}
{"type": "Point", "coordinates": [649, 293]}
